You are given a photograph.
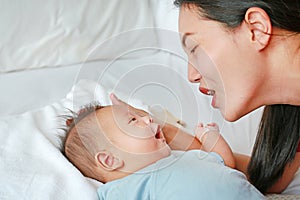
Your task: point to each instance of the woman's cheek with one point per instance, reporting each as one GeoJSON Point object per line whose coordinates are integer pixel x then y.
{"type": "Point", "coordinates": [204, 64]}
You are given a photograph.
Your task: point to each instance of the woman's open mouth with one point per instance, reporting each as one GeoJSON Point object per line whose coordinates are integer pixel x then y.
{"type": "Point", "coordinates": [207, 91]}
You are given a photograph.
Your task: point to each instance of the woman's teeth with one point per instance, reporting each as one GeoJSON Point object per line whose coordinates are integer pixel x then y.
{"type": "Point", "coordinates": [211, 92]}
{"type": "Point", "coordinates": [207, 91]}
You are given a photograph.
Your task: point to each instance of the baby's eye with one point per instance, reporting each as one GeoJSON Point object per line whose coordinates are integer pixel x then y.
{"type": "Point", "coordinates": [133, 119]}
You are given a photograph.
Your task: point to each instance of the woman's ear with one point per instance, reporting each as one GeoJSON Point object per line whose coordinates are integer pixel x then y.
{"type": "Point", "coordinates": [260, 26]}
{"type": "Point", "coordinates": [108, 161]}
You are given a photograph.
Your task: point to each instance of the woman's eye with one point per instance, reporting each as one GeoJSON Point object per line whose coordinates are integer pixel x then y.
{"type": "Point", "coordinates": [194, 49]}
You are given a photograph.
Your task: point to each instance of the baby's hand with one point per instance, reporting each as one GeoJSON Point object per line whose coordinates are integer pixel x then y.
{"type": "Point", "coordinates": [202, 130]}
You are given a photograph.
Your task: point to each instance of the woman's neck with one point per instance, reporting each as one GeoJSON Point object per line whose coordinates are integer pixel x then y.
{"type": "Point", "coordinates": [285, 70]}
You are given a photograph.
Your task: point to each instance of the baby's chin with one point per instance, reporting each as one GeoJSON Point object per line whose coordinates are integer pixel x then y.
{"type": "Point", "coordinates": [162, 153]}
{"type": "Point", "coordinates": [143, 160]}
{"type": "Point", "coordinates": [166, 151]}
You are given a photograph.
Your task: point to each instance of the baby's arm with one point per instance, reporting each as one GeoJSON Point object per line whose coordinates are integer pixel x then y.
{"type": "Point", "coordinates": [177, 139]}
{"type": "Point", "coordinates": [212, 140]}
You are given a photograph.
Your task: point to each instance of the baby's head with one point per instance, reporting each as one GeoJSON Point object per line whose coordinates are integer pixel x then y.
{"type": "Point", "coordinates": [107, 143]}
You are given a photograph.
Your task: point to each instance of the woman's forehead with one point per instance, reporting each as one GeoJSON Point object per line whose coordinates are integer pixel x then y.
{"type": "Point", "coordinates": [188, 20]}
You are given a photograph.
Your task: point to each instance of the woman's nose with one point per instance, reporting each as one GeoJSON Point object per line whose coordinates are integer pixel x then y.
{"type": "Point", "coordinates": [193, 75]}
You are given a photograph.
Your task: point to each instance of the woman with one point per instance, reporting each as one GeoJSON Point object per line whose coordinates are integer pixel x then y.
{"type": "Point", "coordinates": [246, 54]}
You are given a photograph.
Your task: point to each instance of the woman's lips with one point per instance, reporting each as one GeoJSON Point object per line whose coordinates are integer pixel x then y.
{"type": "Point", "coordinates": [207, 91]}
{"type": "Point", "coordinates": [213, 101]}
{"type": "Point", "coordinates": [210, 93]}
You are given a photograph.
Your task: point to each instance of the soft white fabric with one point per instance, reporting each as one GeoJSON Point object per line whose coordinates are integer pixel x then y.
{"type": "Point", "coordinates": [166, 26]}
{"type": "Point", "coordinates": [38, 33]}
{"type": "Point", "coordinates": [167, 11]}
{"type": "Point", "coordinates": [31, 164]}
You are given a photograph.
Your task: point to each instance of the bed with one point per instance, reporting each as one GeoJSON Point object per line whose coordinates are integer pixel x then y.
{"type": "Point", "coordinates": [57, 55]}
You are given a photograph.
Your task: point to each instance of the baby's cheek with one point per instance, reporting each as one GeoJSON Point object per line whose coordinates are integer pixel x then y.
{"type": "Point", "coordinates": [140, 146]}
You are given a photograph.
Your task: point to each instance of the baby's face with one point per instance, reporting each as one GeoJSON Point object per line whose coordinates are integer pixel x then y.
{"type": "Point", "coordinates": [133, 132]}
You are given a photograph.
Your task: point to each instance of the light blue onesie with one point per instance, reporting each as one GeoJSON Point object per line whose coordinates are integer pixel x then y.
{"type": "Point", "coordinates": [182, 176]}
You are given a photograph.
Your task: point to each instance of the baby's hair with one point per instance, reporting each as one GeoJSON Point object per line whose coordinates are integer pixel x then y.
{"type": "Point", "coordinates": [75, 117]}
{"type": "Point", "coordinates": [78, 136]}
{"type": "Point", "coordinates": [82, 113]}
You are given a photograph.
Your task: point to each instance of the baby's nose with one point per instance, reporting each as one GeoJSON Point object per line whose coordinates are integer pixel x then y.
{"type": "Point", "coordinates": [147, 119]}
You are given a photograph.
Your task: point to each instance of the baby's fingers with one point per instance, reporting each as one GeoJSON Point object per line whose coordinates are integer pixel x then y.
{"type": "Point", "coordinates": [200, 131]}
{"type": "Point", "coordinates": [213, 126]}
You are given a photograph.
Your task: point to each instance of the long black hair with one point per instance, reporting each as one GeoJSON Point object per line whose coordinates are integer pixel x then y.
{"type": "Point", "coordinates": [276, 145]}
{"type": "Point", "coordinates": [278, 136]}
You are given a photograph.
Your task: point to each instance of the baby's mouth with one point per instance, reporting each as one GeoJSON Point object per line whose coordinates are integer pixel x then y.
{"type": "Point", "coordinates": [158, 134]}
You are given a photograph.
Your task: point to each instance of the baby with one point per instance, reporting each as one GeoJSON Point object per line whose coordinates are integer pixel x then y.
{"type": "Point", "coordinates": [126, 149]}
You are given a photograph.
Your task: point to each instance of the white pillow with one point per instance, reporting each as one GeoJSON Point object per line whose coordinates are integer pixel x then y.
{"type": "Point", "coordinates": [31, 164]}
{"type": "Point", "coordinates": [37, 34]}
{"type": "Point", "coordinates": [167, 11]}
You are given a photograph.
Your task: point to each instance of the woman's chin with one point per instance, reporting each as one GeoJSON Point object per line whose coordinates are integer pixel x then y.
{"type": "Point", "coordinates": [230, 116]}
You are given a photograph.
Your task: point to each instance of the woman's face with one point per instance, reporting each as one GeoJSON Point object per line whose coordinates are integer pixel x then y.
{"type": "Point", "coordinates": [221, 61]}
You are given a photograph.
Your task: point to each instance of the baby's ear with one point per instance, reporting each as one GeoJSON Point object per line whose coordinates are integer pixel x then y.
{"type": "Point", "coordinates": [69, 122]}
{"type": "Point", "coordinates": [108, 161]}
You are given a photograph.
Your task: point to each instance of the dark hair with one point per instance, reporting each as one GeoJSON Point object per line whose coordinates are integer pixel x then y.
{"type": "Point", "coordinates": [275, 146]}
{"type": "Point", "coordinates": [283, 14]}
